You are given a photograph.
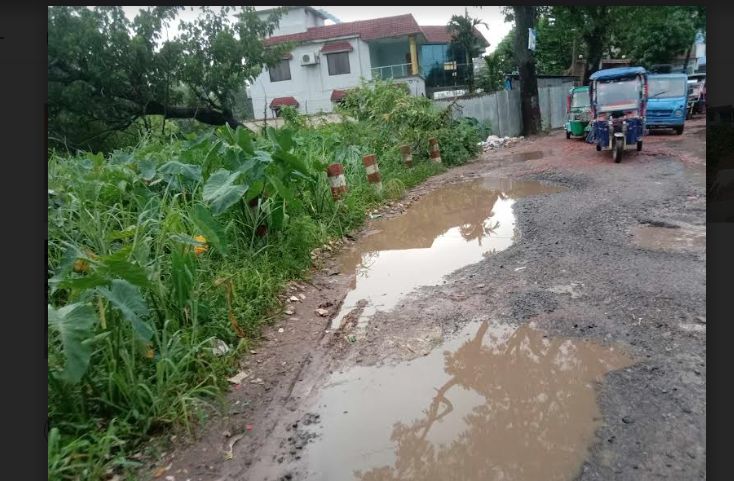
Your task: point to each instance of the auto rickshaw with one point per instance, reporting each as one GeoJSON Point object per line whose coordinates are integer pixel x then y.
{"type": "Point", "coordinates": [578, 112]}
{"type": "Point", "coordinates": [618, 104]}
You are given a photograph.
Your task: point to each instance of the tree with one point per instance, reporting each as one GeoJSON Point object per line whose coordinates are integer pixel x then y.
{"type": "Point", "coordinates": [499, 63]}
{"type": "Point", "coordinates": [654, 35]}
{"type": "Point", "coordinates": [557, 39]}
{"type": "Point", "coordinates": [462, 30]}
{"type": "Point", "coordinates": [105, 71]}
{"type": "Point", "coordinates": [525, 18]}
{"type": "Point", "coordinates": [594, 25]}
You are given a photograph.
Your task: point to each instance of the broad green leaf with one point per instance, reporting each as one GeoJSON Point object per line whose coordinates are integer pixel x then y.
{"type": "Point", "coordinates": [130, 302]}
{"type": "Point", "coordinates": [83, 283]}
{"type": "Point", "coordinates": [176, 168]}
{"type": "Point", "coordinates": [293, 162]}
{"type": "Point", "coordinates": [283, 191]}
{"type": "Point", "coordinates": [117, 265]}
{"type": "Point", "coordinates": [220, 191]}
{"type": "Point", "coordinates": [147, 169]}
{"type": "Point", "coordinates": [209, 227]}
{"type": "Point", "coordinates": [74, 324]}
{"type": "Point", "coordinates": [244, 140]}
{"type": "Point", "coordinates": [255, 189]}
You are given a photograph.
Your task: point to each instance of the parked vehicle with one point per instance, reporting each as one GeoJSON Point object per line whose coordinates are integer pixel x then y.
{"type": "Point", "coordinates": [578, 112]}
{"type": "Point", "coordinates": [667, 101]}
{"type": "Point", "coordinates": [618, 104]}
{"type": "Point", "coordinates": [696, 94]}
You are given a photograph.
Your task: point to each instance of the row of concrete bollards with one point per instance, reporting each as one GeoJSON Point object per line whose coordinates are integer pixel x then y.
{"type": "Point", "coordinates": [338, 181]}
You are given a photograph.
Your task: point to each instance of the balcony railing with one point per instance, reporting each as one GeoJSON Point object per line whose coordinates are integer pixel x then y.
{"type": "Point", "coordinates": [391, 71]}
{"type": "Point", "coordinates": [450, 74]}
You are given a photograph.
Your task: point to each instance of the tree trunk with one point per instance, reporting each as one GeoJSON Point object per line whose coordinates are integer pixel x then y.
{"type": "Point", "coordinates": [205, 115]}
{"type": "Point", "coordinates": [595, 41]}
{"type": "Point", "coordinates": [524, 19]}
{"type": "Point", "coordinates": [688, 57]}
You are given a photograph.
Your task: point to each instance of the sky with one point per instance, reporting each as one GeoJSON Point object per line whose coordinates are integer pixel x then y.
{"type": "Point", "coordinates": [428, 15]}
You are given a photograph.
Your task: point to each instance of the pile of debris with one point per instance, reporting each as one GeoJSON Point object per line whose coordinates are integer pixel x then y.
{"type": "Point", "coordinates": [494, 142]}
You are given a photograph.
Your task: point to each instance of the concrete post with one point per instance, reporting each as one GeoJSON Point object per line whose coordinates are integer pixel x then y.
{"type": "Point", "coordinates": [434, 150]}
{"type": "Point", "coordinates": [373, 171]}
{"type": "Point", "coordinates": [338, 182]}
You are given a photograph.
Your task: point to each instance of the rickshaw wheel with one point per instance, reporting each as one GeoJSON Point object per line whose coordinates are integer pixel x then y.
{"type": "Point", "coordinates": [679, 130]}
{"type": "Point", "coordinates": [568, 134]}
{"type": "Point", "coordinates": [617, 151]}
{"type": "Point", "coordinates": [598, 148]}
{"type": "Point", "coordinates": [639, 145]}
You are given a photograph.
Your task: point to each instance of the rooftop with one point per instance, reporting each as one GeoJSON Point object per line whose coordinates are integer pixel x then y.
{"type": "Point", "coordinates": [373, 29]}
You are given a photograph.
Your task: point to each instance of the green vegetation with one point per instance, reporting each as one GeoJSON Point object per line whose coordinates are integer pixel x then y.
{"type": "Point", "coordinates": [160, 252]}
{"type": "Point", "coordinates": [107, 74]}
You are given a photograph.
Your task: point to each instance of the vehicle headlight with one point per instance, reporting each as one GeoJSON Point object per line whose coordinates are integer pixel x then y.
{"type": "Point", "coordinates": [678, 113]}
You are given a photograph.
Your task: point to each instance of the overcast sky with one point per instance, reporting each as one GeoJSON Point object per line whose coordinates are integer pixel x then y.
{"type": "Point", "coordinates": [423, 15]}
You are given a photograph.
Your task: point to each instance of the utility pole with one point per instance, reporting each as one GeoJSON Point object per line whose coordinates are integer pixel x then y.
{"type": "Point", "coordinates": [525, 19]}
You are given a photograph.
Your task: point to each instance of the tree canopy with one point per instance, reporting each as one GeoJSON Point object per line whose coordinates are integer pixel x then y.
{"type": "Point", "coordinates": [106, 71]}
{"type": "Point", "coordinates": [646, 35]}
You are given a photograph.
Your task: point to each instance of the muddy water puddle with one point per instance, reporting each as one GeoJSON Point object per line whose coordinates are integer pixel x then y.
{"type": "Point", "coordinates": [670, 238]}
{"type": "Point", "coordinates": [496, 403]}
{"type": "Point", "coordinates": [449, 228]}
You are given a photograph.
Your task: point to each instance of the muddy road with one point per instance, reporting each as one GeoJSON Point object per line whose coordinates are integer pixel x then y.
{"type": "Point", "coordinates": [538, 314]}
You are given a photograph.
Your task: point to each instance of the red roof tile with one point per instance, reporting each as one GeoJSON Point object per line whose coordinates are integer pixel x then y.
{"type": "Point", "coordinates": [334, 47]}
{"type": "Point", "coordinates": [372, 29]}
{"type": "Point", "coordinates": [439, 34]}
{"type": "Point", "coordinates": [281, 101]}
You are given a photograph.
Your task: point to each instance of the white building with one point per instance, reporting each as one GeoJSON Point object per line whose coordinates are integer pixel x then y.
{"type": "Point", "coordinates": [331, 59]}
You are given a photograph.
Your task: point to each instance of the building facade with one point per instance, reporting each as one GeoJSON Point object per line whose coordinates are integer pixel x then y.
{"type": "Point", "coordinates": [328, 60]}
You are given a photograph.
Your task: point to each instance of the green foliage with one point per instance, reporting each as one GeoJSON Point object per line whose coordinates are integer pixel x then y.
{"type": "Point", "coordinates": [462, 31]}
{"type": "Point", "coordinates": [106, 73]}
{"type": "Point", "coordinates": [644, 34]}
{"type": "Point", "coordinates": [498, 64]}
{"type": "Point", "coordinates": [654, 35]}
{"type": "Point", "coordinates": [136, 301]}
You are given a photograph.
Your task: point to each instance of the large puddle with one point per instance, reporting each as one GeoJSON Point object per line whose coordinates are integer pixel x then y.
{"type": "Point", "coordinates": [498, 403]}
{"type": "Point", "coordinates": [447, 229]}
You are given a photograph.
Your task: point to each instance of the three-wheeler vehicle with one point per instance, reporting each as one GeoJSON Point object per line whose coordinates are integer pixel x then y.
{"type": "Point", "coordinates": [667, 101]}
{"type": "Point", "coordinates": [578, 112]}
{"type": "Point", "coordinates": [618, 104]}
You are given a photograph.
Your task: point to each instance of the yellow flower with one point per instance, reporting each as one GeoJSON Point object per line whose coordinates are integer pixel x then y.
{"type": "Point", "coordinates": [149, 352]}
{"type": "Point", "coordinates": [200, 248]}
{"type": "Point", "coordinates": [80, 265]}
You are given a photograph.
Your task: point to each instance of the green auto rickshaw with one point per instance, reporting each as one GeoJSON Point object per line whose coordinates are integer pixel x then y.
{"type": "Point", "coordinates": [578, 112]}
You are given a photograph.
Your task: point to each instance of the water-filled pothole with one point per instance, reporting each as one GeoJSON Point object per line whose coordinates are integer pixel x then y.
{"type": "Point", "coordinates": [499, 402]}
{"type": "Point", "coordinates": [449, 228]}
{"type": "Point", "coordinates": [669, 237]}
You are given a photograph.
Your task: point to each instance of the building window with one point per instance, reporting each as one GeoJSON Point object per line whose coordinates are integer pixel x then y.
{"type": "Point", "coordinates": [338, 63]}
{"type": "Point", "coordinates": [280, 71]}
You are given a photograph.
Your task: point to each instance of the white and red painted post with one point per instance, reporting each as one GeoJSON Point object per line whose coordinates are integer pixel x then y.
{"type": "Point", "coordinates": [373, 171]}
{"type": "Point", "coordinates": [337, 180]}
{"type": "Point", "coordinates": [434, 150]}
{"type": "Point", "coordinates": [407, 155]}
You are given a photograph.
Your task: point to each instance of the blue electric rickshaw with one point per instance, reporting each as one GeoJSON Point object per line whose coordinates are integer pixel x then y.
{"type": "Point", "coordinates": [618, 103]}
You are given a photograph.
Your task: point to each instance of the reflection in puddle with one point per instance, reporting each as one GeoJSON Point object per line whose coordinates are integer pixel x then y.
{"type": "Point", "coordinates": [501, 403]}
{"type": "Point", "coordinates": [449, 228]}
{"type": "Point", "coordinates": [688, 238]}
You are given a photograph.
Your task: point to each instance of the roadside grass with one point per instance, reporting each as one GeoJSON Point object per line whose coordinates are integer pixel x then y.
{"type": "Point", "coordinates": [140, 306]}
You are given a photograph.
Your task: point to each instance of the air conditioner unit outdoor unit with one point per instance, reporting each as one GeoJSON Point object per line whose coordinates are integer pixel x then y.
{"type": "Point", "coordinates": [309, 58]}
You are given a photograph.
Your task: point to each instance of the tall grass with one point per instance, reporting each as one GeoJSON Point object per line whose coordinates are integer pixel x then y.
{"type": "Point", "coordinates": [136, 302]}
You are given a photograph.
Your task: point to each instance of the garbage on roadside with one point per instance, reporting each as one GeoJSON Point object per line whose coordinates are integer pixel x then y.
{"type": "Point", "coordinates": [494, 142]}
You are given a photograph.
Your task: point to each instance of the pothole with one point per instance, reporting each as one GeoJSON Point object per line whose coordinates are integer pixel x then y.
{"type": "Point", "coordinates": [498, 402]}
{"type": "Point", "coordinates": [448, 228]}
{"type": "Point", "coordinates": [669, 237]}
